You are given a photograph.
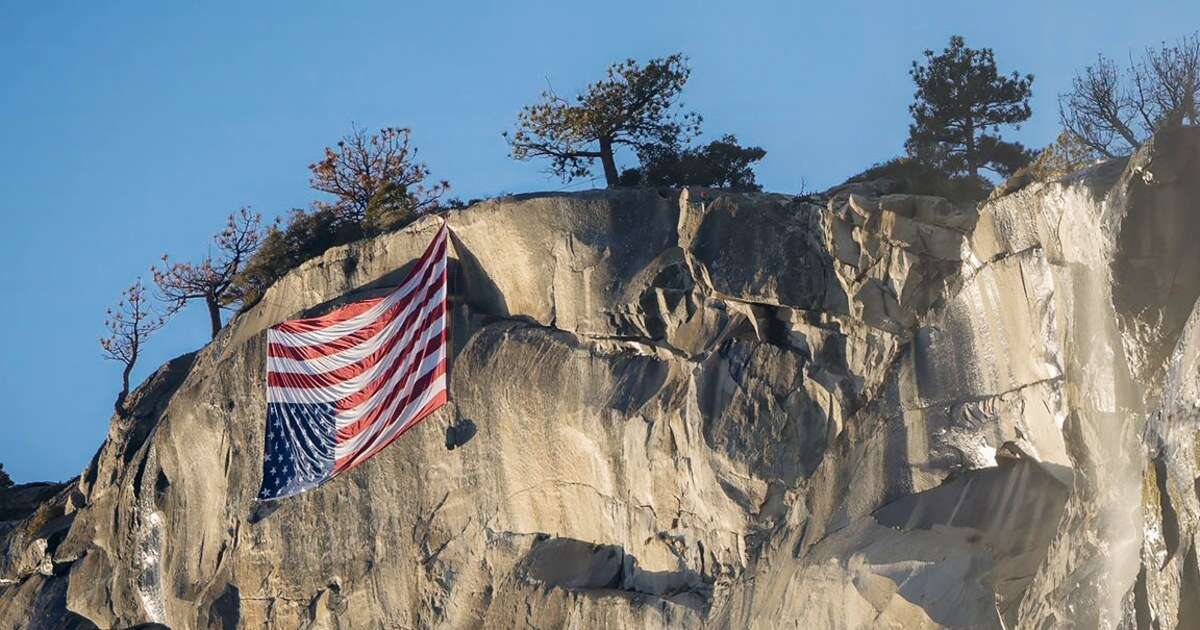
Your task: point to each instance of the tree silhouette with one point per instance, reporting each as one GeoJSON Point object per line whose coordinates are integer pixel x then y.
{"type": "Point", "coordinates": [210, 279]}
{"type": "Point", "coordinates": [1112, 111]}
{"type": "Point", "coordinates": [961, 103]}
{"type": "Point", "coordinates": [633, 106]}
{"type": "Point", "coordinates": [722, 163]}
{"type": "Point", "coordinates": [129, 325]}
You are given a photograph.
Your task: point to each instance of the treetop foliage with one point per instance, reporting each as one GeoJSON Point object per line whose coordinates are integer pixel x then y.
{"type": "Point", "coordinates": [722, 163]}
{"type": "Point", "coordinates": [129, 323]}
{"type": "Point", "coordinates": [961, 101]}
{"type": "Point", "coordinates": [633, 106]}
{"type": "Point", "coordinates": [374, 171]}
{"type": "Point", "coordinates": [377, 185]}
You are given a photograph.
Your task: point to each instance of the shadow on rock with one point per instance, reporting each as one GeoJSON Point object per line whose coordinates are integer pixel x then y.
{"type": "Point", "coordinates": [580, 566]}
{"type": "Point", "coordinates": [459, 433]}
{"type": "Point", "coordinates": [262, 510]}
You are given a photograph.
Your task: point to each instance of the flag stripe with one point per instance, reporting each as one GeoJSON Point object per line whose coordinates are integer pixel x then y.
{"type": "Point", "coordinates": [278, 349]}
{"type": "Point", "coordinates": [344, 393]}
{"type": "Point", "coordinates": [342, 386]}
{"type": "Point", "coordinates": [353, 345]}
{"type": "Point", "coordinates": [315, 375]}
{"type": "Point", "coordinates": [413, 381]}
{"type": "Point", "coordinates": [429, 402]}
{"type": "Point", "coordinates": [351, 317]}
{"type": "Point", "coordinates": [367, 392]}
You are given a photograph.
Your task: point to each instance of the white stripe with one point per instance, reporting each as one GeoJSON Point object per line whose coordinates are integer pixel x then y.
{"type": "Point", "coordinates": [340, 329]}
{"type": "Point", "coordinates": [405, 349]}
{"type": "Point", "coordinates": [312, 338]}
{"type": "Point", "coordinates": [344, 449]}
{"type": "Point", "coordinates": [350, 356]}
{"type": "Point", "coordinates": [430, 358]}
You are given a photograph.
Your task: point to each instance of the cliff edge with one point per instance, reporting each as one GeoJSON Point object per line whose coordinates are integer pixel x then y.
{"type": "Point", "coordinates": [698, 408]}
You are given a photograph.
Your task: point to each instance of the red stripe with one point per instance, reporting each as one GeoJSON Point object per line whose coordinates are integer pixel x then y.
{"type": "Point", "coordinates": [333, 377]}
{"type": "Point", "coordinates": [356, 337]}
{"type": "Point", "coordinates": [312, 324]}
{"type": "Point", "coordinates": [418, 354]}
{"type": "Point", "coordinates": [418, 388]}
{"type": "Point", "coordinates": [354, 459]}
{"type": "Point", "coordinates": [361, 335]}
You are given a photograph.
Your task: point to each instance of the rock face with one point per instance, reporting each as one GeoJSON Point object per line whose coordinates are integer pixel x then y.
{"type": "Point", "coordinates": [699, 409]}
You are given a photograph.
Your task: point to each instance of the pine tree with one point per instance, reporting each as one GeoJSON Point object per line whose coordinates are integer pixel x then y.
{"type": "Point", "coordinates": [633, 106]}
{"type": "Point", "coordinates": [961, 102]}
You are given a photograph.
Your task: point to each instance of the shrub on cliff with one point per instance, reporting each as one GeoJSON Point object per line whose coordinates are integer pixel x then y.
{"type": "Point", "coordinates": [305, 235]}
{"type": "Point", "coordinates": [6, 482]}
{"type": "Point", "coordinates": [1064, 156]}
{"type": "Point", "coordinates": [915, 177]}
{"type": "Point", "coordinates": [722, 163]}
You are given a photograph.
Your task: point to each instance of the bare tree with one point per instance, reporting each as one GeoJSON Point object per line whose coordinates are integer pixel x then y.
{"type": "Point", "coordinates": [1099, 110]}
{"type": "Point", "coordinates": [129, 324]}
{"type": "Point", "coordinates": [369, 173]}
{"type": "Point", "coordinates": [211, 278]}
{"type": "Point", "coordinates": [1112, 111]}
{"type": "Point", "coordinates": [1168, 82]}
{"type": "Point", "coordinates": [633, 106]}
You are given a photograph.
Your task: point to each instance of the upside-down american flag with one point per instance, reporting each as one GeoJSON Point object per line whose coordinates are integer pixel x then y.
{"type": "Point", "coordinates": [343, 386]}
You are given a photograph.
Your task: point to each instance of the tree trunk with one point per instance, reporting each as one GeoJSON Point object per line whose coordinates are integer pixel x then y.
{"type": "Point", "coordinates": [214, 314]}
{"type": "Point", "coordinates": [119, 405]}
{"type": "Point", "coordinates": [971, 152]}
{"type": "Point", "coordinates": [611, 176]}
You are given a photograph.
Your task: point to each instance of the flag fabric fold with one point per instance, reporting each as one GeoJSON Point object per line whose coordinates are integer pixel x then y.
{"type": "Point", "coordinates": [342, 386]}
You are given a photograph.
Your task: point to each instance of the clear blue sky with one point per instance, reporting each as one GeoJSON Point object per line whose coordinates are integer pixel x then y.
{"type": "Point", "coordinates": [131, 129]}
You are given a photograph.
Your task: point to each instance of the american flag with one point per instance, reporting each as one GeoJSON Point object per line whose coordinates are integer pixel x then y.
{"type": "Point", "coordinates": [343, 386]}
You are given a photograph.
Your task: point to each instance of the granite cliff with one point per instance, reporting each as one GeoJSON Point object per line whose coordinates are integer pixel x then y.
{"type": "Point", "coordinates": [698, 409]}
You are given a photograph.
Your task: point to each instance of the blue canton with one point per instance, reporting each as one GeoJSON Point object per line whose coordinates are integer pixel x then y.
{"type": "Point", "coordinates": [299, 450]}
